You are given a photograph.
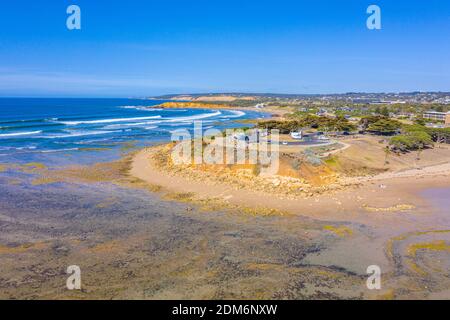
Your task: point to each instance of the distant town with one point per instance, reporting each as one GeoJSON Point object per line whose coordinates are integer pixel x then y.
{"type": "Point", "coordinates": [432, 109]}
{"type": "Point", "coordinates": [352, 97]}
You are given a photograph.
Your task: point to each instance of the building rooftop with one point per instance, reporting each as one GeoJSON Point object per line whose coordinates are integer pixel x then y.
{"type": "Point", "coordinates": [437, 112]}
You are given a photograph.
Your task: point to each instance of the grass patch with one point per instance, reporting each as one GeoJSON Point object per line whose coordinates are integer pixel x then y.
{"type": "Point", "coordinates": [35, 166]}
{"type": "Point", "coordinates": [180, 196]}
{"type": "Point", "coordinates": [399, 207]}
{"type": "Point", "coordinates": [433, 246]}
{"type": "Point", "coordinates": [44, 181]}
{"type": "Point", "coordinates": [331, 161]}
{"type": "Point", "coordinates": [341, 231]}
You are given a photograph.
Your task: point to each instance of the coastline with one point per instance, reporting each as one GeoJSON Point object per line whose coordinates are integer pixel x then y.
{"type": "Point", "coordinates": [376, 192]}
{"type": "Point", "coordinates": [370, 194]}
{"type": "Point", "coordinates": [273, 111]}
{"type": "Point", "coordinates": [135, 213]}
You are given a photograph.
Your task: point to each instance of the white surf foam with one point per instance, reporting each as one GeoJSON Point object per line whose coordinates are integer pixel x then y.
{"type": "Point", "coordinates": [142, 108]}
{"type": "Point", "coordinates": [17, 148]}
{"type": "Point", "coordinates": [17, 134]}
{"type": "Point", "coordinates": [195, 117]}
{"type": "Point", "coordinates": [235, 114]}
{"type": "Point", "coordinates": [92, 141]}
{"type": "Point", "coordinates": [77, 134]}
{"type": "Point", "coordinates": [179, 124]}
{"type": "Point", "coordinates": [59, 150]}
{"type": "Point", "coordinates": [74, 123]}
{"type": "Point", "coordinates": [26, 148]}
{"type": "Point", "coordinates": [127, 125]}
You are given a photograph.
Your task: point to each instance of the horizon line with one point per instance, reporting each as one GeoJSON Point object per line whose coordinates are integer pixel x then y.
{"type": "Point", "coordinates": [261, 94]}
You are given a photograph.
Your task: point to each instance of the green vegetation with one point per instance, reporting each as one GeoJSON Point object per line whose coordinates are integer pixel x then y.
{"type": "Point", "coordinates": [418, 137]}
{"type": "Point", "coordinates": [385, 127]}
{"type": "Point", "coordinates": [383, 111]}
{"type": "Point", "coordinates": [365, 122]}
{"type": "Point", "coordinates": [338, 124]}
{"type": "Point", "coordinates": [327, 124]}
{"type": "Point", "coordinates": [414, 140]}
{"type": "Point", "coordinates": [439, 135]}
{"type": "Point", "coordinates": [420, 121]}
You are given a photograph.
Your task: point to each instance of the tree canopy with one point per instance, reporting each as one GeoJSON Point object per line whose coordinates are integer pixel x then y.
{"type": "Point", "coordinates": [414, 140]}
{"type": "Point", "coordinates": [328, 124]}
{"type": "Point", "coordinates": [385, 127]}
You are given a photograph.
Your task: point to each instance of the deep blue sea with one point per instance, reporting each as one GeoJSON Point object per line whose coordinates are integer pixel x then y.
{"type": "Point", "coordinates": [62, 131]}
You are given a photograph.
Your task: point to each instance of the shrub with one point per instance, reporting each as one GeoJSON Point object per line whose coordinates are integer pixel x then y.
{"type": "Point", "coordinates": [312, 158]}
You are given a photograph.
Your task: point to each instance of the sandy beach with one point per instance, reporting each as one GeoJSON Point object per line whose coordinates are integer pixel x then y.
{"type": "Point", "coordinates": [372, 191]}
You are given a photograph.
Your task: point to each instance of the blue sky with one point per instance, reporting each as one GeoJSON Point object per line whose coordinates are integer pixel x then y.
{"type": "Point", "coordinates": [142, 48]}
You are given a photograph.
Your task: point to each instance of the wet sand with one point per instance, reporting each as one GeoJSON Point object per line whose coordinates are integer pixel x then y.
{"type": "Point", "coordinates": [135, 246]}
{"type": "Point", "coordinates": [134, 243]}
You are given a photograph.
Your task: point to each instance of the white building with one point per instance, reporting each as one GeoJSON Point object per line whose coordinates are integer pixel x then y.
{"type": "Point", "coordinates": [438, 116]}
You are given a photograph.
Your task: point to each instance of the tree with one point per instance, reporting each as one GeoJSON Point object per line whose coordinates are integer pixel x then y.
{"type": "Point", "coordinates": [439, 135]}
{"type": "Point", "coordinates": [341, 124]}
{"type": "Point", "coordinates": [420, 121]}
{"type": "Point", "coordinates": [414, 128]}
{"type": "Point", "coordinates": [385, 111]}
{"type": "Point", "coordinates": [365, 122]}
{"type": "Point", "coordinates": [415, 140]}
{"type": "Point", "coordinates": [309, 121]}
{"type": "Point", "coordinates": [378, 110]}
{"type": "Point", "coordinates": [439, 108]}
{"type": "Point", "coordinates": [385, 127]}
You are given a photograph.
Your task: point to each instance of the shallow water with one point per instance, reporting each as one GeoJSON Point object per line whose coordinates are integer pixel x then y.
{"type": "Point", "coordinates": [440, 198]}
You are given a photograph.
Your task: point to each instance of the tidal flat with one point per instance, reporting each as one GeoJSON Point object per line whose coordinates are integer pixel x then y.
{"type": "Point", "coordinates": [130, 244]}
{"type": "Point", "coordinates": [134, 243]}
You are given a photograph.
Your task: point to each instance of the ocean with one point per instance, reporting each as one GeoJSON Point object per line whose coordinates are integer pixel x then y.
{"type": "Point", "coordinates": [67, 131]}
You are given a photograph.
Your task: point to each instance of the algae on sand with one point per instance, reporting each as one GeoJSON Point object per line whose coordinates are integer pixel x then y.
{"type": "Point", "coordinates": [341, 231]}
